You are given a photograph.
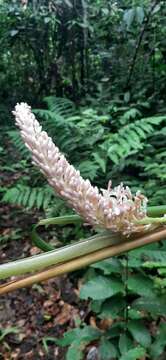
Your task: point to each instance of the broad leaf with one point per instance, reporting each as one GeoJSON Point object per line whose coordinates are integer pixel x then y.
{"type": "Point", "coordinates": [109, 266]}
{"type": "Point", "coordinates": [134, 354]}
{"type": "Point", "coordinates": [139, 332]}
{"type": "Point", "coordinates": [155, 305]}
{"type": "Point", "coordinates": [141, 285]}
{"type": "Point", "coordinates": [112, 307]}
{"type": "Point", "coordinates": [107, 351]}
{"type": "Point", "coordinates": [160, 342]}
{"type": "Point", "coordinates": [75, 351]}
{"type": "Point", "coordinates": [129, 17]}
{"type": "Point", "coordinates": [101, 288]}
{"type": "Point", "coordinates": [87, 334]}
{"type": "Point", "coordinates": [125, 343]}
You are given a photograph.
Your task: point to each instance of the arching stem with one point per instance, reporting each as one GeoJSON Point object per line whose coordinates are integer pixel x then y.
{"type": "Point", "coordinates": [63, 254]}
{"type": "Point", "coordinates": [84, 261]}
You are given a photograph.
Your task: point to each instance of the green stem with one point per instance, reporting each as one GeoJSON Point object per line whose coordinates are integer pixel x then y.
{"type": "Point", "coordinates": [61, 220]}
{"type": "Point", "coordinates": [39, 242]}
{"type": "Point", "coordinates": [63, 254]}
{"type": "Point", "coordinates": [151, 220]}
{"type": "Point", "coordinates": [156, 210]}
{"type": "Point", "coordinates": [83, 261]}
{"type": "Point", "coordinates": [74, 219]}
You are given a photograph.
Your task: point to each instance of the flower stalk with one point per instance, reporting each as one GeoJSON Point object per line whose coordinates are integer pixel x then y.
{"type": "Point", "coordinates": [156, 210]}
{"type": "Point", "coordinates": [83, 261]}
{"type": "Point", "coordinates": [61, 255]}
{"type": "Point", "coordinates": [114, 209]}
{"type": "Point", "coordinates": [120, 214]}
{"type": "Point", "coordinates": [152, 220]}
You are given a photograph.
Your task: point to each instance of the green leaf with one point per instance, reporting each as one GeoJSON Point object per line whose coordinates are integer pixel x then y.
{"type": "Point", "coordinates": [153, 265]}
{"type": "Point", "coordinates": [101, 288]}
{"type": "Point", "coordinates": [112, 155]}
{"type": "Point", "coordinates": [156, 255]}
{"type": "Point", "coordinates": [14, 32]}
{"type": "Point", "coordinates": [95, 305]}
{"type": "Point", "coordinates": [116, 329]}
{"type": "Point", "coordinates": [107, 351]}
{"type": "Point", "coordinates": [39, 199]}
{"type": "Point", "coordinates": [112, 307]}
{"type": "Point", "coordinates": [100, 161]}
{"type": "Point", "coordinates": [139, 14]}
{"type": "Point", "coordinates": [134, 314]}
{"type": "Point", "coordinates": [160, 342]}
{"type": "Point", "coordinates": [46, 340]}
{"type": "Point", "coordinates": [26, 196]}
{"type": "Point", "coordinates": [32, 198]}
{"type": "Point", "coordinates": [139, 332]}
{"type": "Point", "coordinates": [134, 261]}
{"type": "Point", "coordinates": [87, 333]}
{"type": "Point", "coordinates": [20, 198]}
{"type": "Point", "coordinates": [129, 17]}
{"type": "Point", "coordinates": [47, 199]}
{"type": "Point", "coordinates": [109, 266]}
{"type": "Point", "coordinates": [11, 195]}
{"type": "Point", "coordinates": [68, 337]}
{"type": "Point", "coordinates": [134, 354]}
{"type": "Point", "coordinates": [141, 285]}
{"type": "Point", "coordinates": [9, 330]}
{"type": "Point", "coordinates": [75, 351]}
{"type": "Point", "coordinates": [162, 271]}
{"type": "Point", "coordinates": [125, 343]}
{"type": "Point", "coordinates": [78, 339]}
{"type": "Point", "coordinates": [155, 305]}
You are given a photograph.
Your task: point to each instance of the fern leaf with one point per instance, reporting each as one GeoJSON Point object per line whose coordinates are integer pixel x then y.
{"type": "Point", "coordinates": [15, 137]}
{"type": "Point", "coordinates": [32, 198]}
{"type": "Point", "coordinates": [130, 137]}
{"type": "Point", "coordinates": [61, 106]}
{"type": "Point", "coordinates": [26, 196]}
{"type": "Point", "coordinates": [29, 197]}
{"type": "Point", "coordinates": [40, 199]}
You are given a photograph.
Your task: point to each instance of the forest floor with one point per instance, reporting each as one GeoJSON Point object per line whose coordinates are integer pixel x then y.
{"type": "Point", "coordinates": [29, 316]}
{"type": "Point", "coordinates": [38, 312]}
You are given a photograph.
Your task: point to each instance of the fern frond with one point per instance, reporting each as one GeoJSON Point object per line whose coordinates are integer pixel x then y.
{"type": "Point", "coordinates": [61, 106]}
{"type": "Point", "coordinates": [130, 138]}
{"type": "Point", "coordinates": [155, 169]}
{"type": "Point", "coordinates": [38, 197]}
{"type": "Point", "coordinates": [15, 137]}
{"type": "Point", "coordinates": [132, 113]}
{"type": "Point", "coordinates": [73, 132]}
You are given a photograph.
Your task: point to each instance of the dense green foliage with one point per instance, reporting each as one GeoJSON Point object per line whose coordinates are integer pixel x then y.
{"type": "Point", "coordinates": [95, 74]}
{"type": "Point", "coordinates": [127, 312]}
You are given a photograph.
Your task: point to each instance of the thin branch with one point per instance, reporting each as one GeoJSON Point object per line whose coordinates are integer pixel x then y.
{"type": "Point", "coordinates": [141, 35]}
{"type": "Point", "coordinates": [84, 261]}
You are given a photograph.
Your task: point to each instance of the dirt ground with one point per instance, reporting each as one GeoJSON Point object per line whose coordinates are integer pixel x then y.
{"type": "Point", "coordinates": [45, 310]}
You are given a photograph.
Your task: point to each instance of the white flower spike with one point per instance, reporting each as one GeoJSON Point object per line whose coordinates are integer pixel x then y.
{"type": "Point", "coordinates": [113, 209]}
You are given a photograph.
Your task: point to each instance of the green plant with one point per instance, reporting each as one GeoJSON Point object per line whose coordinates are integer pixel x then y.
{"type": "Point", "coordinates": [10, 235]}
{"type": "Point", "coordinates": [126, 301]}
{"type": "Point", "coordinates": [4, 332]}
{"type": "Point", "coordinates": [29, 197]}
{"type": "Point", "coordinates": [106, 150]}
{"type": "Point", "coordinates": [110, 130]}
{"type": "Point", "coordinates": [75, 131]}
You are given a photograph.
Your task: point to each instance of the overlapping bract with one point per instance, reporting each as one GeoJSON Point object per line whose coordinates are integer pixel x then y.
{"type": "Point", "coordinates": [115, 208]}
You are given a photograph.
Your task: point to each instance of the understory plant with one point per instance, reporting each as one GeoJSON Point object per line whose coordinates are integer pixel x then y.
{"type": "Point", "coordinates": [118, 144]}
{"type": "Point", "coordinates": [121, 221]}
